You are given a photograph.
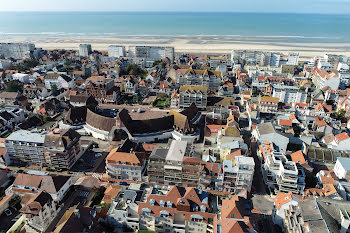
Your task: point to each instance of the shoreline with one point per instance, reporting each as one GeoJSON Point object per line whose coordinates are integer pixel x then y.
{"type": "Point", "coordinates": [189, 44]}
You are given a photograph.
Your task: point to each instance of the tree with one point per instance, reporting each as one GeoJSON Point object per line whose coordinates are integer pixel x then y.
{"type": "Point", "coordinates": [13, 86]}
{"type": "Point", "coordinates": [54, 88]}
{"type": "Point", "coordinates": [134, 69]}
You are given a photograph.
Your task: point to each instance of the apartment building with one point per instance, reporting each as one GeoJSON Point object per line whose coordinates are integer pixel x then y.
{"type": "Point", "coordinates": [151, 53]}
{"type": "Point", "coordinates": [325, 78]}
{"type": "Point", "coordinates": [266, 132]}
{"type": "Point", "coordinates": [26, 147]}
{"type": "Point", "coordinates": [125, 166]}
{"type": "Point", "coordinates": [173, 162]}
{"type": "Point", "coordinates": [193, 94]}
{"type": "Point", "coordinates": [305, 217]}
{"type": "Point", "coordinates": [98, 87]}
{"type": "Point", "coordinates": [62, 148]}
{"type": "Point", "coordinates": [237, 175]}
{"type": "Point", "coordinates": [16, 50]}
{"type": "Point", "coordinates": [172, 167]}
{"type": "Point", "coordinates": [116, 51]}
{"type": "Point", "coordinates": [268, 104]}
{"type": "Point", "coordinates": [289, 94]}
{"type": "Point", "coordinates": [293, 59]}
{"type": "Point", "coordinates": [156, 164]}
{"type": "Point", "coordinates": [207, 78]}
{"type": "Point", "coordinates": [85, 50]}
{"type": "Point", "coordinates": [177, 209]}
{"type": "Point", "coordinates": [280, 174]}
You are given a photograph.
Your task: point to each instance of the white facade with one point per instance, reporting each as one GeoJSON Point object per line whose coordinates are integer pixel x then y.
{"type": "Point", "coordinates": [293, 59]}
{"type": "Point", "coordinates": [16, 50]}
{"type": "Point", "coordinates": [342, 166]}
{"type": "Point", "coordinates": [23, 78]}
{"type": "Point", "coordinates": [85, 50]}
{"type": "Point", "coordinates": [59, 82]}
{"type": "Point", "coordinates": [289, 94]}
{"type": "Point", "coordinates": [152, 52]}
{"type": "Point", "coordinates": [116, 51]}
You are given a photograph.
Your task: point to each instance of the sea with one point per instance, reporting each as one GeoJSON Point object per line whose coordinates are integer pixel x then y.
{"type": "Point", "coordinates": [267, 27]}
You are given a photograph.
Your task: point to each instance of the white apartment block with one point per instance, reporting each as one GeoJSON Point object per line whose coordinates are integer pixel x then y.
{"type": "Point", "coordinates": [280, 174]}
{"type": "Point", "coordinates": [289, 94]}
{"type": "Point", "coordinates": [293, 59]}
{"type": "Point", "coordinates": [237, 175]}
{"type": "Point", "coordinates": [116, 51]}
{"type": "Point", "coordinates": [16, 50]}
{"type": "Point", "coordinates": [26, 147]}
{"type": "Point", "coordinates": [152, 52]}
{"type": "Point", "coordinates": [85, 50]}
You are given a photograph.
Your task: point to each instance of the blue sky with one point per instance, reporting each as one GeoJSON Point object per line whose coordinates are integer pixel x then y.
{"type": "Point", "coordinates": [294, 6]}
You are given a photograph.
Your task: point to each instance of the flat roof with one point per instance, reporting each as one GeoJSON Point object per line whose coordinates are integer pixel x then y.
{"type": "Point", "coordinates": [177, 150]}
{"type": "Point", "coordinates": [26, 136]}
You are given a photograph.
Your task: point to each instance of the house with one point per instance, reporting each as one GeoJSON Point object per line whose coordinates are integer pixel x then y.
{"type": "Point", "coordinates": [341, 168]}
{"type": "Point", "coordinates": [58, 80]}
{"type": "Point", "coordinates": [39, 211]}
{"type": "Point", "coordinates": [8, 97]}
{"type": "Point", "coordinates": [56, 186]}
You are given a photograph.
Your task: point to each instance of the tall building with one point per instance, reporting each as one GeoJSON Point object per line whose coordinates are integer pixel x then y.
{"type": "Point", "coordinates": [58, 150]}
{"type": "Point", "coordinates": [116, 51]}
{"type": "Point", "coordinates": [275, 59]}
{"type": "Point", "coordinates": [151, 53]}
{"type": "Point", "coordinates": [293, 59]}
{"type": "Point", "coordinates": [16, 50]}
{"type": "Point", "coordinates": [238, 174]}
{"type": "Point", "coordinates": [63, 148]}
{"type": "Point", "coordinates": [85, 50]}
{"type": "Point", "coordinates": [25, 147]}
{"type": "Point", "coordinates": [279, 173]}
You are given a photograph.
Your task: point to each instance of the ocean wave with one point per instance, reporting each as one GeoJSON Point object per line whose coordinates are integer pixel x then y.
{"type": "Point", "coordinates": [163, 35]}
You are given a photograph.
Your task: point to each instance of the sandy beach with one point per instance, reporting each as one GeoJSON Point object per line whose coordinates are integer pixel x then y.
{"type": "Point", "coordinates": [199, 44]}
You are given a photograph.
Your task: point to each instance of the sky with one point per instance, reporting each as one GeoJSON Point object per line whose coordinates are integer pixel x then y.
{"type": "Point", "coordinates": [278, 6]}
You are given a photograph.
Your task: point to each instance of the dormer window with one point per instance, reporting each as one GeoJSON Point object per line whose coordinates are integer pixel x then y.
{"type": "Point", "coordinates": [169, 204]}
{"type": "Point", "coordinates": [162, 203]}
{"type": "Point", "coordinates": [152, 201]}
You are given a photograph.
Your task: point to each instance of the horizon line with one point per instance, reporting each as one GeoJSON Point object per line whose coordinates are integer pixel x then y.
{"type": "Point", "coordinates": [126, 11]}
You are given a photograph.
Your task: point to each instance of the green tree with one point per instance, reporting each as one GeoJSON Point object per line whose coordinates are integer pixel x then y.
{"type": "Point", "coordinates": [134, 69]}
{"type": "Point", "coordinates": [13, 86]}
{"type": "Point", "coordinates": [54, 88]}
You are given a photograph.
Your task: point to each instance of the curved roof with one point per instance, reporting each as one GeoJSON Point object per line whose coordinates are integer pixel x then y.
{"type": "Point", "coordinates": [99, 122]}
